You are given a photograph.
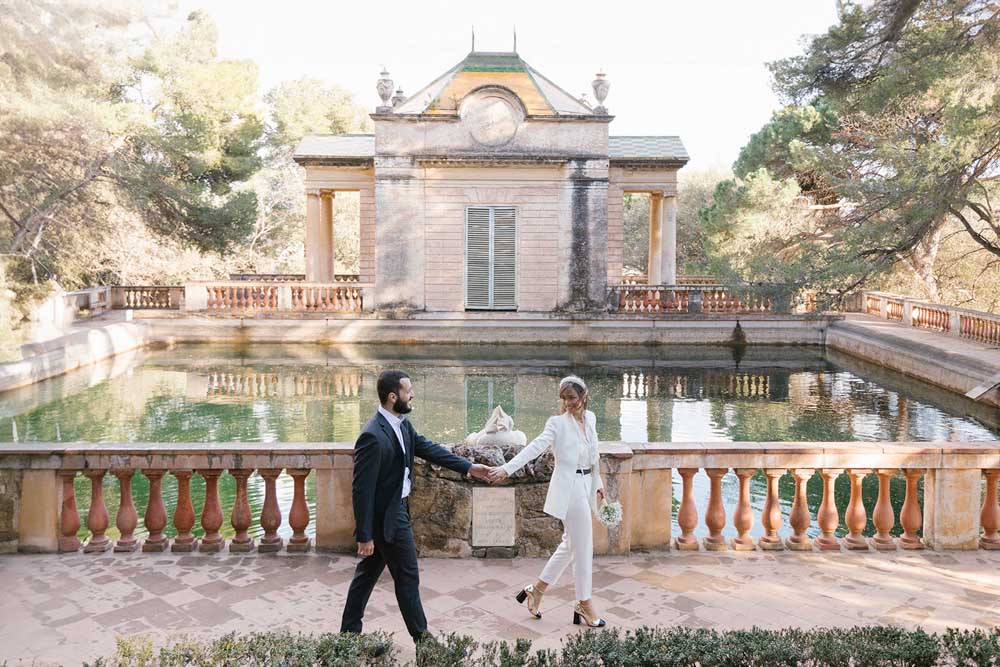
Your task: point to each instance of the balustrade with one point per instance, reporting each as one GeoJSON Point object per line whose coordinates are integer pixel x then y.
{"type": "Point", "coordinates": [211, 520]}
{"type": "Point", "coordinates": [971, 324]}
{"type": "Point", "coordinates": [751, 463]}
{"type": "Point", "coordinates": [640, 299]}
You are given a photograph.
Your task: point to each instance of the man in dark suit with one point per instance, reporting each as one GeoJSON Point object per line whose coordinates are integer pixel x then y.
{"type": "Point", "coordinates": [383, 465]}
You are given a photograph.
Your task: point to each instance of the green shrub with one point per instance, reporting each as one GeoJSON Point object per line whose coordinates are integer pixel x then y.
{"type": "Point", "coordinates": [877, 646]}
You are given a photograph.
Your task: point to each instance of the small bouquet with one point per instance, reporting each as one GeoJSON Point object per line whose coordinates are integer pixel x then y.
{"type": "Point", "coordinates": [610, 514]}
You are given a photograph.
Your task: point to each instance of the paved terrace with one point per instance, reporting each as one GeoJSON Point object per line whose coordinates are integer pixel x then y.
{"type": "Point", "coordinates": [66, 609]}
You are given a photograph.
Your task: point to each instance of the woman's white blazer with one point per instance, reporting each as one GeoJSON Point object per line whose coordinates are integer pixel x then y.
{"type": "Point", "coordinates": [566, 439]}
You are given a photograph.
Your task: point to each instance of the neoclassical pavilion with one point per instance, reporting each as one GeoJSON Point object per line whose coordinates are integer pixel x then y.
{"type": "Point", "coordinates": [491, 188]}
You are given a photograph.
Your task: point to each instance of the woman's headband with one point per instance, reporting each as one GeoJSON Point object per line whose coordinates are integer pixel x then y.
{"type": "Point", "coordinates": [574, 380]}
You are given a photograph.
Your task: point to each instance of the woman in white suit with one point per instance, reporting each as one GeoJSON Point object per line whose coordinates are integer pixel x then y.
{"type": "Point", "coordinates": [574, 491]}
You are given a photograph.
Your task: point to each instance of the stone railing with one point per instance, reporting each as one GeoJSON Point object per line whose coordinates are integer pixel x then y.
{"type": "Point", "coordinates": [147, 297]}
{"type": "Point", "coordinates": [675, 299]}
{"type": "Point", "coordinates": [959, 322]}
{"type": "Point", "coordinates": [956, 512]}
{"type": "Point", "coordinates": [269, 277]}
{"type": "Point", "coordinates": [244, 297]}
{"type": "Point", "coordinates": [681, 280]}
{"type": "Point", "coordinates": [49, 520]}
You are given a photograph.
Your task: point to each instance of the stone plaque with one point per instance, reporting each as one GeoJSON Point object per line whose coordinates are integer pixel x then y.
{"type": "Point", "coordinates": [492, 517]}
{"type": "Point", "coordinates": [491, 120]}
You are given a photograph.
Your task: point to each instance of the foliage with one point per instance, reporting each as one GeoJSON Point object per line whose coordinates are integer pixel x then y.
{"type": "Point", "coordinates": [872, 646]}
{"type": "Point", "coordinates": [894, 114]}
{"type": "Point", "coordinates": [694, 192]}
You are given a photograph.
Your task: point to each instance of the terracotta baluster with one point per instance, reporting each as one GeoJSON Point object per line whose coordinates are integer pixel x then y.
{"type": "Point", "coordinates": [184, 518]}
{"type": "Point", "coordinates": [799, 516]}
{"type": "Point", "coordinates": [771, 516]}
{"type": "Point", "coordinates": [127, 518]}
{"type": "Point", "coordinates": [827, 517]}
{"type": "Point", "coordinates": [155, 518]}
{"type": "Point", "coordinates": [990, 515]}
{"type": "Point", "coordinates": [743, 514]}
{"type": "Point", "coordinates": [97, 517]}
{"type": "Point", "coordinates": [856, 517]}
{"type": "Point", "coordinates": [715, 514]}
{"type": "Point", "coordinates": [270, 514]}
{"type": "Point", "coordinates": [241, 516]}
{"type": "Point", "coordinates": [211, 513]}
{"type": "Point", "coordinates": [69, 517]}
{"type": "Point", "coordinates": [883, 516]}
{"type": "Point", "coordinates": [910, 517]}
{"type": "Point", "coordinates": [298, 516]}
{"type": "Point", "coordinates": [687, 514]}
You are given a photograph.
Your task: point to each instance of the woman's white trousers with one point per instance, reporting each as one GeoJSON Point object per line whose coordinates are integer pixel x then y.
{"type": "Point", "coordinates": [577, 544]}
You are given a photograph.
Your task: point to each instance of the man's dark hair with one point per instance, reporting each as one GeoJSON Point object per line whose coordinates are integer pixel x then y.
{"type": "Point", "coordinates": [389, 383]}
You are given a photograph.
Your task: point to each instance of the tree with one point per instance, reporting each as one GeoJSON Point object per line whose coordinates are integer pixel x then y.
{"type": "Point", "coordinates": [914, 86]}
{"type": "Point", "coordinates": [92, 127]}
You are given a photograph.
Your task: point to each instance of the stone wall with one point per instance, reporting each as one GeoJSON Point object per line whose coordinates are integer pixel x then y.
{"type": "Point", "coordinates": [10, 501]}
{"type": "Point", "coordinates": [441, 507]}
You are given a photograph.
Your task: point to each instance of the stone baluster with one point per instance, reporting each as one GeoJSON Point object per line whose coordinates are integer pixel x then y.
{"type": "Point", "coordinates": [97, 517]}
{"type": "Point", "coordinates": [155, 518]}
{"type": "Point", "coordinates": [771, 516]}
{"type": "Point", "coordinates": [127, 518]}
{"type": "Point", "coordinates": [910, 517]}
{"type": "Point", "coordinates": [715, 514]}
{"type": "Point", "coordinates": [828, 517]}
{"type": "Point", "coordinates": [687, 514]}
{"type": "Point", "coordinates": [241, 516]}
{"type": "Point", "coordinates": [990, 515]}
{"type": "Point", "coordinates": [799, 516]}
{"type": "Point", "coordinates": [185, 542]}
{"type": "Point", "coordinates": [69, 516]}
{"type": "Point", "coordinates": [856, 518]}
{"type": "Point", "coordinates": [298, 516]}
{"type": "Point", "coordinates": [743, 514]}
{"type": "Point", "coordinates": [883, 516]}
{"type": "Point", "coordinates": [211, 514]}
{"type": "Point", "coordinates": [270, 514]}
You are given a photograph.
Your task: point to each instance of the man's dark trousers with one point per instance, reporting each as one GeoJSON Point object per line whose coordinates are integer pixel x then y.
{"type": "Point", "coordinates": [400, 556]}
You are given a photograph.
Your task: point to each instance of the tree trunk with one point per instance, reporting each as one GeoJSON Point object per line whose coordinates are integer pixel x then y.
{"type": "Point", "coordinates": [922, 258]}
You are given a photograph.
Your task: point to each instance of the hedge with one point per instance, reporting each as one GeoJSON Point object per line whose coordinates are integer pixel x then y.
{"type": "Point", "coordinates": [874, 646]}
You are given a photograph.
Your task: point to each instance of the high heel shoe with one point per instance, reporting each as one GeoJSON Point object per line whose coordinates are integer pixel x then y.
{"type": "Point", "coordinates": [586, 615]}
{"type": "Point", "coordinates": [534, 598]}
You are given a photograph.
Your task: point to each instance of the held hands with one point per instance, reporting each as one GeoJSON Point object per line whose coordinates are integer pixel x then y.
{"type": "Point", "coordinates": [497, 475]}
{"type": "Point", "coordinates": [479, 471]}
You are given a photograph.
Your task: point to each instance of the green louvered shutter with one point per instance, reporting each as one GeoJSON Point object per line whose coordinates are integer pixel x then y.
{"type": "Point", "coordinates": [491, 258]}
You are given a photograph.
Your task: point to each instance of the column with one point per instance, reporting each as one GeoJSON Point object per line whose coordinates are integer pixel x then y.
{"type": "Point", "coordinates": [669, 252]}
{"type": "Point", "coordinates": [326, 237]}
{"type": "Point", "coordinates": [313, 248]}
{"type": "Point", "coordinates": [654, 267]}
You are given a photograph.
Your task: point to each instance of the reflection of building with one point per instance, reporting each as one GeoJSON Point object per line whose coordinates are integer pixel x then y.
{"type": "Point", "coordinates": [490, 188]}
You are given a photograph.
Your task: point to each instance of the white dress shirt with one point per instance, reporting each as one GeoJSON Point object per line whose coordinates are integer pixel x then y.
{"type": "Point", "coordinates": [395, 422]}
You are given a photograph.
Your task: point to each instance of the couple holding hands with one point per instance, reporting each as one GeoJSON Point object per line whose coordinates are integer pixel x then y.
{"type": "Point", "coordinates": [383, 461]}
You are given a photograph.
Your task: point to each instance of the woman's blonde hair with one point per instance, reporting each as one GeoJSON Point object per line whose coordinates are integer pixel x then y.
{"type": "Point", "coordinates": [576, 384]}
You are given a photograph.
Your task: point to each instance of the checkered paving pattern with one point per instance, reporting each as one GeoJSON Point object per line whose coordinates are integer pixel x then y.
{"type": "Point", "coordinates": [69, 608]}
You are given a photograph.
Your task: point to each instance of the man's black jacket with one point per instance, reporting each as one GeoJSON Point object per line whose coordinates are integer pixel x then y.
{"type": "Point", "coordinates": [378, 473]}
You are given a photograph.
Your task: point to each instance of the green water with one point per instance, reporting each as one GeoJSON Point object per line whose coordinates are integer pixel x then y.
{"type": "Point", "coordinates": [312, 393]}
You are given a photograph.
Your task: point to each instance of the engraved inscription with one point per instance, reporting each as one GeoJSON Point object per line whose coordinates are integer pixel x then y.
{"type": "Point", "coordinates": [492, 517]}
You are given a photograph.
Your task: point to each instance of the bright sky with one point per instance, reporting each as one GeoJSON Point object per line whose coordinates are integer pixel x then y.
{"type": "Point", "coordinates": [692, 68]}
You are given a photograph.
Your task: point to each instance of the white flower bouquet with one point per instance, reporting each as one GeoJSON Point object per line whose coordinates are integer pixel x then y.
{"type": "Point", "coordinates": [610, 514]}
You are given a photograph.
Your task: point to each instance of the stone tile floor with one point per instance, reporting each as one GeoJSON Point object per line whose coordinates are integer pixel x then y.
{"type": "Point", "coordinates": [69, 608]}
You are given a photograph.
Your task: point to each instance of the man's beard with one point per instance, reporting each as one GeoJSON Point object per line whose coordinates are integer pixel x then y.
{"type": "Point", "coordinates": [401, 408]}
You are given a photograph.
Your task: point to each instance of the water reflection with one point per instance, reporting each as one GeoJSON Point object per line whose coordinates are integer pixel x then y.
{"type": "Point", "coordinates": [309, 393]}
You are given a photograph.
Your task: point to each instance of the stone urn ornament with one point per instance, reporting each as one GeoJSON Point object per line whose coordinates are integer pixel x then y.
{"type": "Point", "coordinates": [499, 430]}
{"type": "Point", "coordinates": [601, 87]}
{"type": "Point", "coordinates": [384, 88]}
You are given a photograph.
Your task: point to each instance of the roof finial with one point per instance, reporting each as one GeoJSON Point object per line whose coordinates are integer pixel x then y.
{"type": "Point", "coordinates": [473, 39]}
{"type": "Point", "coordinates": [515, 39]}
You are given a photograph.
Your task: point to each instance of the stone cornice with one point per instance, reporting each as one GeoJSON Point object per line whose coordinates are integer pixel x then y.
{"type": "Point", "coordinates": [449, 117]}
{"type": "Point", "coordinates": [327, 161]}
{"type": "Point", "coordinates": [648, 163]}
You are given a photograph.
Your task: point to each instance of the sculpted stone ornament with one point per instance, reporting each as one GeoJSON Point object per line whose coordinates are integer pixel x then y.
{"type": "Point", "coordinates": [398, 98]}
{"type": "Point", "coordinates": [601, 87]}
{"type": "Point", "coordinates": [490, 118]}
{"type": "Point", "coordinates": [384, 88]}
{"type": "Point", "coordinates": [499, 430]}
